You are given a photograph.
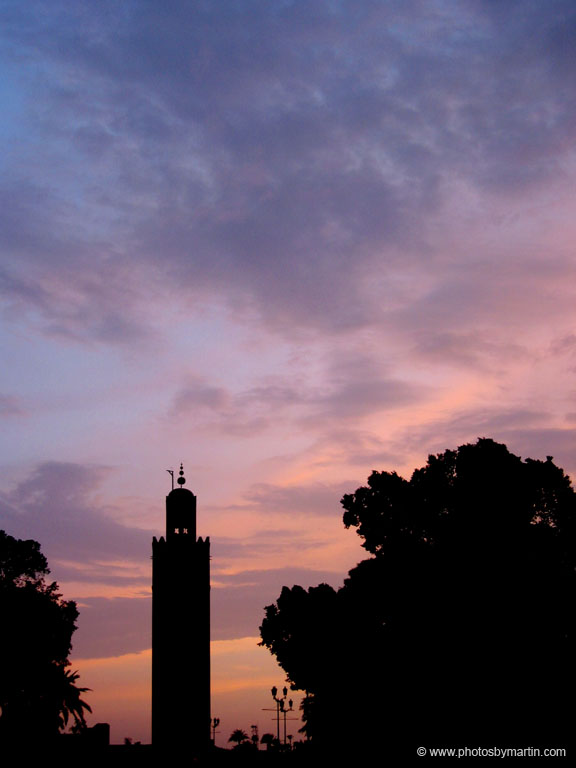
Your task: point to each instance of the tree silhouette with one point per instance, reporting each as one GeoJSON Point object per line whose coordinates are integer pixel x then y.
{"type": "Point", "coordinates": [268, 739]}
{"type": "Point", "coordinates": [38, 694]}
{"type": "Point", "coordinates": [238, 737]}
{"type": "Point", "coordinates": [460, 627]}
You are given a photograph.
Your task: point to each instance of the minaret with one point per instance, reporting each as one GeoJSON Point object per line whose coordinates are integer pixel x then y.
{"type": "Point", "coordinates": [181, 629]}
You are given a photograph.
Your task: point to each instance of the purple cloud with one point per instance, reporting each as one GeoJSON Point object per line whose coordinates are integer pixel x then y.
{"type": "Point", "coordinates": [10, 405]}
{"type": "Point", "coordinates": [354, 385]}
{"type": "Point", "coordinates": [127, 622]}
{"type": "Point", "coordinates": [56, 505]}
{"type": "Point", "coordinates": [276, 156]}
{"type": "Point", "coordinates": [299, 500]}
{"type": "Point", "coordinates": [526, 432]}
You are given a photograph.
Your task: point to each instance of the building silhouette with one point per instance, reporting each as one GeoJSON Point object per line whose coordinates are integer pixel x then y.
{"type": "Point", "coordinates": [181, 628]}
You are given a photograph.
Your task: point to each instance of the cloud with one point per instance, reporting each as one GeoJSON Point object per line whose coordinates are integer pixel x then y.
{"type": "Point", "coordinates": [263, 544]}
{"type": "Point", "coordinates": [238, 606]}
{"type": "Point", "coordinates": [10, 405]}
{"type": "Point", "coordinates": [306, 500]}
{"type": "Point", "coordinates": [359, 385]}
{"type": "Point", "coordinates": [83, 303]}
{"type": "Point", "coordinates": [237, 610]}
{"type": "Point", "coordinates": [352, 386]}
{"type": "Point", "coordinates": [565, 345]}
{"type": "Point", "coordinates": [526, 432]}
{"type": "Point", "coordinates": [356, 447]}
{"type": "Point", "coordinates": [483, 422]}
{"type": "Point", "coordinates": [472, 349]}
{"type": "Point", "coordinates": [200, 394]}
{"type": "Point", "coordinates": [127, 624]}
{"type": "Point", "coordinates": [57, 505]}
{"type": "Point", "coordinates": [276, 157]}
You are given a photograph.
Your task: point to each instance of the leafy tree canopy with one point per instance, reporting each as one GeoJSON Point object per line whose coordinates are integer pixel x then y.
{"type": "Point", "coordinates": [461, 623]}
{"type": "Point", "coordinates": [482, 490]}
{"type": "Point", "coordinates": [38, 692]}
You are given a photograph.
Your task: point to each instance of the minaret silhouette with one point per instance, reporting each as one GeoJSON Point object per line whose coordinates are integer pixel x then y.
{"type": "Point", "coordinates": [181, 629]}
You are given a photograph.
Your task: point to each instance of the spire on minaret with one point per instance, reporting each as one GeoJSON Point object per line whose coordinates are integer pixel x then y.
{"type": "Point", "coordinates": [181, 509]}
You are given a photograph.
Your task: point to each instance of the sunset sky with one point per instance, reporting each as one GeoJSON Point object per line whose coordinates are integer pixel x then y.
{"type": "Point", "coordinates": [285, 242]}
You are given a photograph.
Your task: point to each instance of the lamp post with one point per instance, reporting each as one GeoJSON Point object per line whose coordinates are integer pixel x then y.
{"type": "Point", "coordinates": [285, 712]}
{"type": "Point", "coordinates": [281, 708]}
{"type": "Point", "coordinates": [279, 703]}
{"type": "Point", "coordinates": [214, 723]}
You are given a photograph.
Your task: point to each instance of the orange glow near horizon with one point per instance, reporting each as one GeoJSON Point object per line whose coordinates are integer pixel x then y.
{"type": "Point", "coordinates": [242, 675]}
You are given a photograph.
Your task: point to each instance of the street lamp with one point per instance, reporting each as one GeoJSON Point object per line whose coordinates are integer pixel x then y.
{"type": "Point", "coordinates": [281, 708]}
{"type": "Point", "coordinates": [214, 723]}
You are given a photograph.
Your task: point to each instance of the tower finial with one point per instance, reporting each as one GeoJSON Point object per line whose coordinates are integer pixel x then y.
{"type": "Point", "coordinates": [181, 480]}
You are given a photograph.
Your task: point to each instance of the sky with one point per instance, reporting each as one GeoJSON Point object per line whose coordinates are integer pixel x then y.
{"type": "Point", "coordinates": [285, 242]}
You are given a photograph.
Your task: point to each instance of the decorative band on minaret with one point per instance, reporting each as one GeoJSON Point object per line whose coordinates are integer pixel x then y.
{"type": "Point", "coordinates": [181, 629]}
